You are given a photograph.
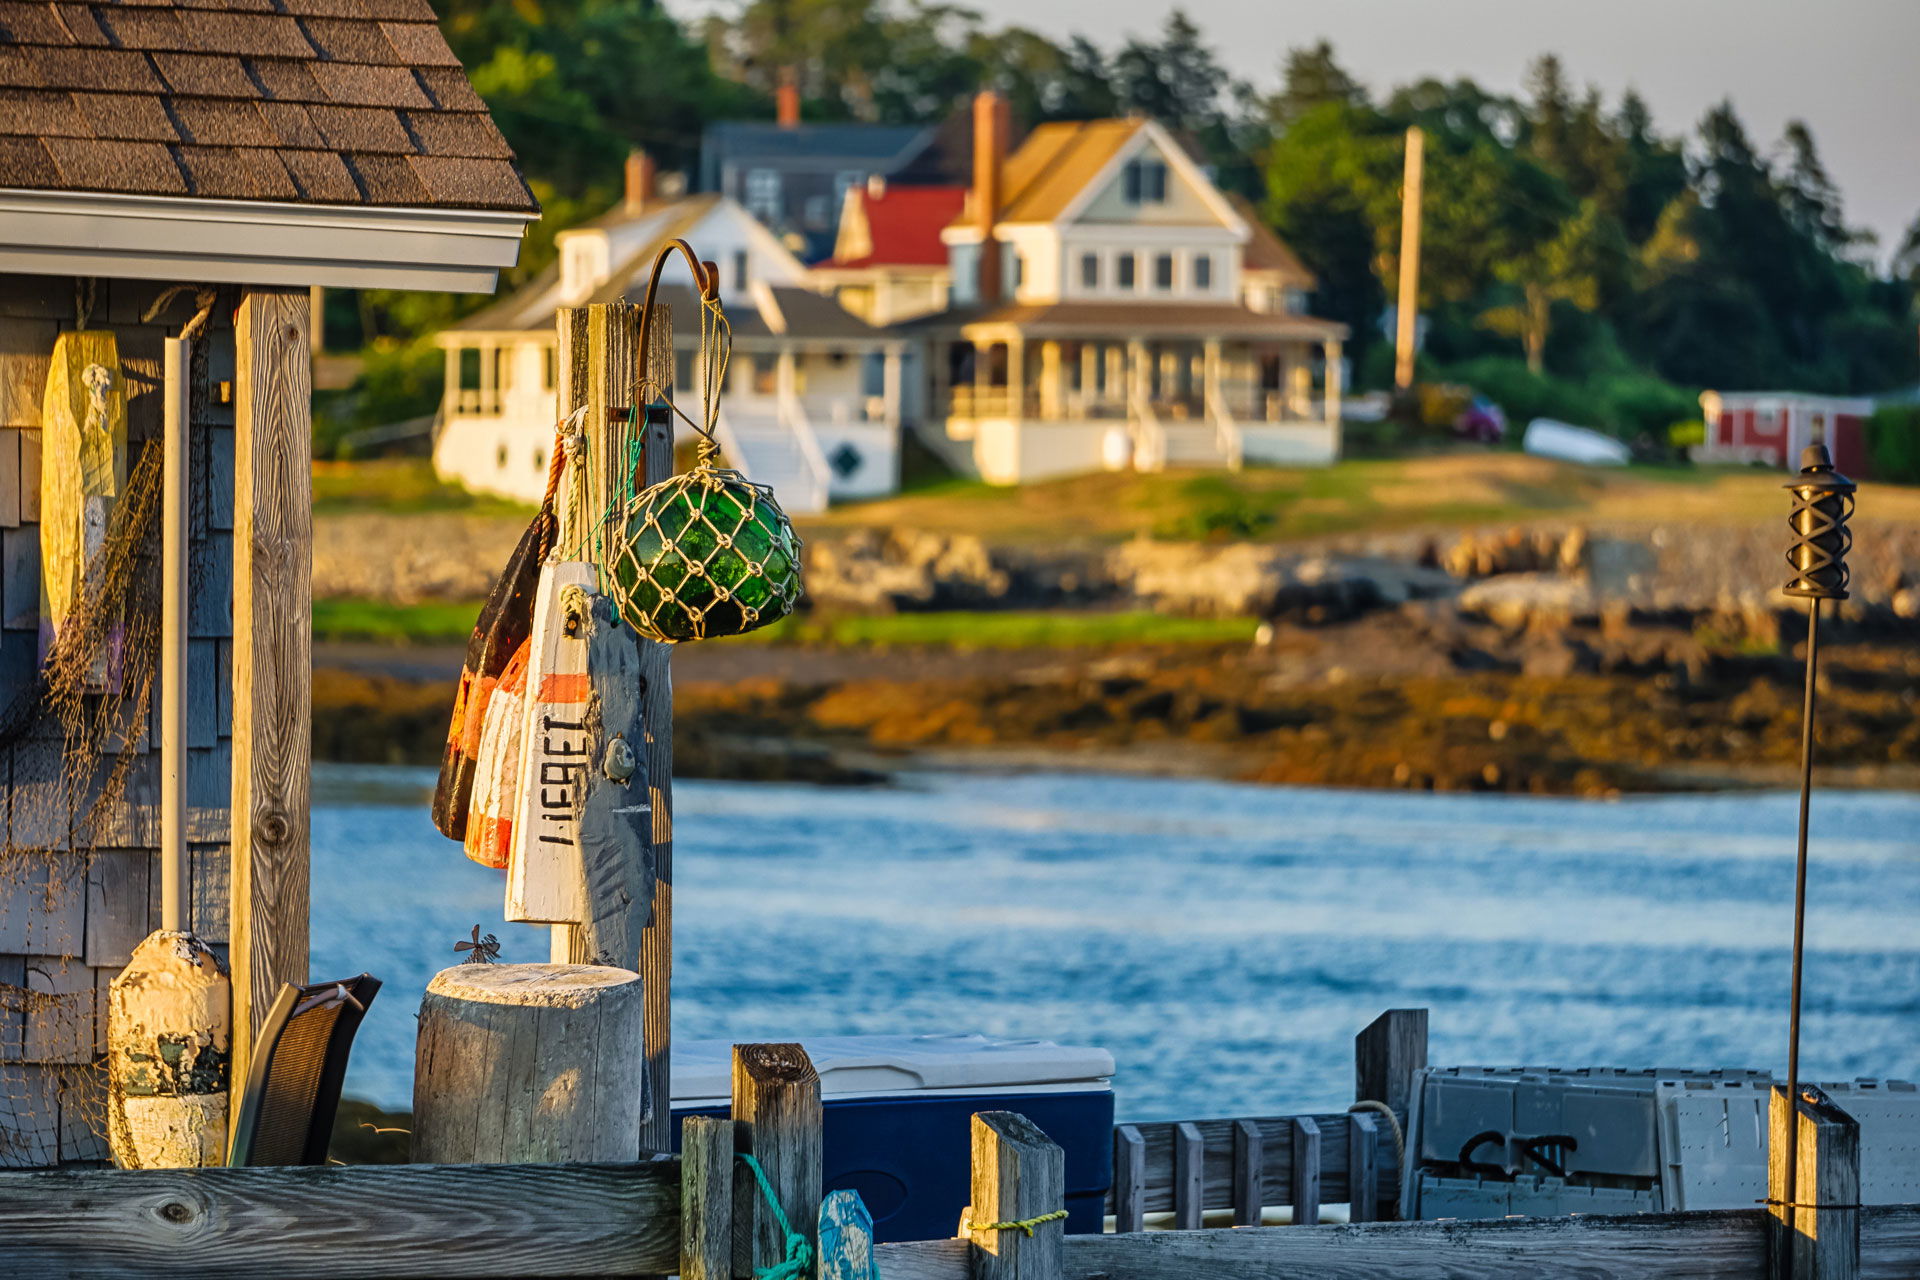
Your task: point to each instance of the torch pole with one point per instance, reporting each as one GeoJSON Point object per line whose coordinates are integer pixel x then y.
{"type": "Point", "coordinates": [1800, 915]}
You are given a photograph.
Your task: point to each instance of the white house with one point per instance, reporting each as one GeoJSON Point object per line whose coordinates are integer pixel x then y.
{"type": "Point", "coordinates": [1111, 306]}
{"type": "Point", "coordinates": [814, 398]}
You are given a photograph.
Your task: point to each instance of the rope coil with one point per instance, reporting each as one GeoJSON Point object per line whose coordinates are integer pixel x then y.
{"type": "Point", "coordinates": [797, 1264]}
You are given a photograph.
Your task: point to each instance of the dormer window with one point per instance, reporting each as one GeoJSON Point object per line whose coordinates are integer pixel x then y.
{"type": "Point", "coordinates": [1090, 271]}
{"type": "Point", "coordinates": [1145, 182]}
{"type": "Point", "coordinates": [583, 264]}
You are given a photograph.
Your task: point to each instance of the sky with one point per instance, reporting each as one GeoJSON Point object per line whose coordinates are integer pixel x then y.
{"type": "Point", "coordinates": [1847, 67]}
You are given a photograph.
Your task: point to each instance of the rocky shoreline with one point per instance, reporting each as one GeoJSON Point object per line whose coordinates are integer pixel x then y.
{"type": "Point", "coordinates": [1564, 660]}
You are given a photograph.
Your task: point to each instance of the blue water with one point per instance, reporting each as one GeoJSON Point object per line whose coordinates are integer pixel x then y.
{"type": "Point", "coordinates": [1223, 941]}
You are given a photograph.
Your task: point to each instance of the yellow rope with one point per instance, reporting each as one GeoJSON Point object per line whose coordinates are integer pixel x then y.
{"type": "Point", "coordinates": [1019, 1224]}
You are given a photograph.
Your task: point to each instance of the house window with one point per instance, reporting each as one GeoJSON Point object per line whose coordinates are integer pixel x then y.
{"type": "Point", "coordinates": [766, 373]}
{"type": "Point", "coordinates": [1019, 269]}
{"type": "Point", "coordinates": [1145, 182]}
{"type": "Point", "coordinates": [549, 368]}
{"type": "Point", "coordinates": [1203, 272]}
{"type": "Point", "coordinates": [739, 270]}
{"type": "Point", "coordinates": [1090, 271]}
{"type": "Point", "coordinates": [763, 194]}
{"type": "Point", "coordinates": [819, 214]}
{"type": "Point", "coordinates": [1123, 270]}
{"type": "Point", "coordinates": [1163, 271]}
{"type": "Point", "coordinates": [539, 460]}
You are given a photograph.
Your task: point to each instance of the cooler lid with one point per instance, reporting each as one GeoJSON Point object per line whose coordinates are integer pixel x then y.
{"type": "Point", "coordinates": [856, 1065]}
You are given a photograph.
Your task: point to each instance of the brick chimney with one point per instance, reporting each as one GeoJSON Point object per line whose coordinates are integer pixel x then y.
{"type": "Point", "coordinates": [640, 180]}
{"type": "Point", "coordinates": [786, 100]}
{"type": "Point", "coordinates": [991, 124]}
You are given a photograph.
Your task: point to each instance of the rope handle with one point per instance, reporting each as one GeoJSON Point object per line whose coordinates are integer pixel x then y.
{"type": "Point", "coordinates": [1018, 1224]}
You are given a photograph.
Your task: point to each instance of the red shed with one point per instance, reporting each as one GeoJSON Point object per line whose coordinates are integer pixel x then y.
{"type": "Point", "coordinates": [1774, 426]}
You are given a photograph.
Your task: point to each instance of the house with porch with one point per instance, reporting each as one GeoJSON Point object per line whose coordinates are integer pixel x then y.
{"type": "Point", "coordinates": [814, 397]}
{"type": "Point", "coordinates": [1111, 307]}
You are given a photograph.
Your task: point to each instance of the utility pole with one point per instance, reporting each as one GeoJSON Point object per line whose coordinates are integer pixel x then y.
{"type": "Point", "coordinates": [1409, 309]}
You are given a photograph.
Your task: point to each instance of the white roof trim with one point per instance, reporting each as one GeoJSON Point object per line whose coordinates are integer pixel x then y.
{"type": "Point", "coordinates": [256, 241]}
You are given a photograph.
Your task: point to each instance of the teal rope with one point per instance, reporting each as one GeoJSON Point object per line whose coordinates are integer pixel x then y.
{"type": "Point", "coordinates": [798, 1264]}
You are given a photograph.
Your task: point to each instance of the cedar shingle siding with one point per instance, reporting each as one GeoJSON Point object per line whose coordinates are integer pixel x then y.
{"type": "Point", "coordinates": [315, 101]}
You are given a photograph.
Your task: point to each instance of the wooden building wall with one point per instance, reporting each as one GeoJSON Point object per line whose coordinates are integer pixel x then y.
{"type": "Point", "coordinates": [70, 916]}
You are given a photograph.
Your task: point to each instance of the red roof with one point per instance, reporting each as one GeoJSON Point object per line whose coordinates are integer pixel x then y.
{"type": "Point", "coordinates": [904, 224]}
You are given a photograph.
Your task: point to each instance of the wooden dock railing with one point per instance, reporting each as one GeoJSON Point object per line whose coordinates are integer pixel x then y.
{"type": "Point", "coordinates": [705, 1215]}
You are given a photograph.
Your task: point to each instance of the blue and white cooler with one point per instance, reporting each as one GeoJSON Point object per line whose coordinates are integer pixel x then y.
{"type": "Point", "coordinates": [897, 1111]}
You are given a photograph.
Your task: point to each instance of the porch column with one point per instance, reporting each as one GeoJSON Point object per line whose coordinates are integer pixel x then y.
{"type": "Point", "coordinates": [784, 377]}
{"type": "Point", "coordinates": [1089, 375]}
{"type": "Point", "coordinates": [1210, 378]}
{"type": "Point", "coordinates": [1119, 381]}
{"type": "Point", "coordinates": [1139, 375]}
{"type": "Point", "coordinates": [489, 382]}
{"type": "Point", "coordinates": [1053, 382]}
{"type": "Point", "coordinates": [890, 386]}
{"type": "Point", "coordinates": [1016, 378]}
{"type": "Point", "coordinates": [452, 392]}
{"type": "Point", "coordinates": [1299, 387]}
{"type": "Point", "coordinates": [1335, 390]}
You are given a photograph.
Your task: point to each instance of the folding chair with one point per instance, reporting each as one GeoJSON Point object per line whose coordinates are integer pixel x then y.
{"type": "Point", "coordinates": [299, 1062]}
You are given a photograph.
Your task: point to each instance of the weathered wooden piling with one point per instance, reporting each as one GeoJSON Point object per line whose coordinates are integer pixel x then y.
{"type": "Point", "coordinates": [706, 1198]}
{"type": "Point", "coordinates": [1818, 1239]}
{"type": "Point", "coordinates": [1019, 1178]}
{"type": "Point", "coordinates": [529, 1063]}
{"type": "Point", "coordinates": [776, 1092]}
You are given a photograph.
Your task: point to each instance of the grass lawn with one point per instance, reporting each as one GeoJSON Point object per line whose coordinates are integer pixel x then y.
{"type": "Point", "coordinates": [398, 485]}
{"type": "Point", "coordinates": [1452, 489]}
{"type": "Point", "coordinates": [343, 621]}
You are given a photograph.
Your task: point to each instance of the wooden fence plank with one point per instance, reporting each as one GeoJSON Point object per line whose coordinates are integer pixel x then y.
{"type": "Point", "coordinates": [1189, 1177]}
{"type": "Point", "coordinates": [272, 658]}
{"type": "Point", "coordinates": [367, 1220]}
{"type": "Point", "coordinates": [1700, 1246]}
{"type": "Point", "coordinates": [1249, 1164]}
{"type": "Point", "coordinates": [924, 1260]}
{"type": "Point", "coordinates": [1890, 1242]}
{"type": "Point", "coordinates": [1820, 1240]}
{"type": "Point", "coordinates": [1129, 1179]}
{"type": "Point", "coordinates": [1276, 1134]}
{"type": "Point", "coordinates": [706, 1198]}
{"type": "Point", "coordinates": [1363, 1159]}
{"type": "Point", "coordinates": [1306, 1172]}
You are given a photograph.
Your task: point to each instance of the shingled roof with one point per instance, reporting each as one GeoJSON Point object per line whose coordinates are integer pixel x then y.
{"type": "Point", "coordinates": [337, 102]}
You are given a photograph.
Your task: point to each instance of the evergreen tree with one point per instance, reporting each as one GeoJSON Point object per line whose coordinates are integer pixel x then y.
{"type": "Point", "coordinates": [1310, 77]}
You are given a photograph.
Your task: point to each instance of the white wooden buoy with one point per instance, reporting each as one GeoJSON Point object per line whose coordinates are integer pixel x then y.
{"type": "Point", "coordinates": [529, 1063]}
{"type": "Point", "coordinates": [168, 1041]}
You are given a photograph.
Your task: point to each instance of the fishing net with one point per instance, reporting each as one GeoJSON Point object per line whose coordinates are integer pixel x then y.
{"type": "Point", "coordinates": [74, 742]}
{"type": "Point", "coordinates": [704, 554]}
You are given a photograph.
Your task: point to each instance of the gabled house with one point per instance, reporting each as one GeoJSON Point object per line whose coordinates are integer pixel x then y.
{"type": "Point", "coordinates": [1111, 307]}
{"type": "Point", "coordinates": [889, 263]}
{"type": "Point", "coordinates": [814, 394]}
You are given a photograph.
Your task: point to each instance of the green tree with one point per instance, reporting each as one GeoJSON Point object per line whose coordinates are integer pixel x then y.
{"type": "Point", "coordinates": [1565, 269]}
{"type": "Point", "coordinates": [1311, 77]}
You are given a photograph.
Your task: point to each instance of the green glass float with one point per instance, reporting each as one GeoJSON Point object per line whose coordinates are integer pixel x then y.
{"type": "Point", "coordinates": [704, 554]}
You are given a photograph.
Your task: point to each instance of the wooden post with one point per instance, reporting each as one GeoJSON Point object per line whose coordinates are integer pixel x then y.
{"type": "Point", "coordinates": [1409, 305]}
{"type": "Point", "coordinates": [1386, 1055]}
{"type": "Point", "coordinates": [846, 1238]}
{"type": "Point", "coordinates": [706, 1198]}
{"type": "Point", "coordinates": [528, 1064]}
{"type": "Point", "coordinates": [599, 366]}
{"type": "Point", "coordinates": [1129, 1179]}
{"type": "Point", "coordinates": [1306, 1172]}
{"type": "Point", "coordinates": [1363, 1168]}
{"type": "Point", "coordinates": [1189, 1178]}
{"type": "Point", "coordinates": [1018, 1175]}
{"type": "Point", "coordinates": [777, 1091]}
{"type": "Point", "coordinates": [1249, 1173]}
{"type": "Point", "coordinates": [272, 658]}
{"type": "Point", "coordinates": [1819, 1239]}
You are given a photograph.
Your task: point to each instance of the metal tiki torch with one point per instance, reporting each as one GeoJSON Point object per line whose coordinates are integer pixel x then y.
{"type": "Point", "coordinates": [1822, 505]}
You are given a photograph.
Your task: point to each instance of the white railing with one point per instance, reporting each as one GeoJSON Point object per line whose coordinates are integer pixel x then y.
{"type": "Point", "coordinates": [1149, 437]}
{"type": "Point", "coordinates": [1226, 431]}
{"type": "Point", "coordinates": [793, 416]}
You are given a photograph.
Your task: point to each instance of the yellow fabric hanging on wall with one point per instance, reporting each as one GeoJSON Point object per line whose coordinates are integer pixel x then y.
{"type": "Point", "coordinates": [83, 466]}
